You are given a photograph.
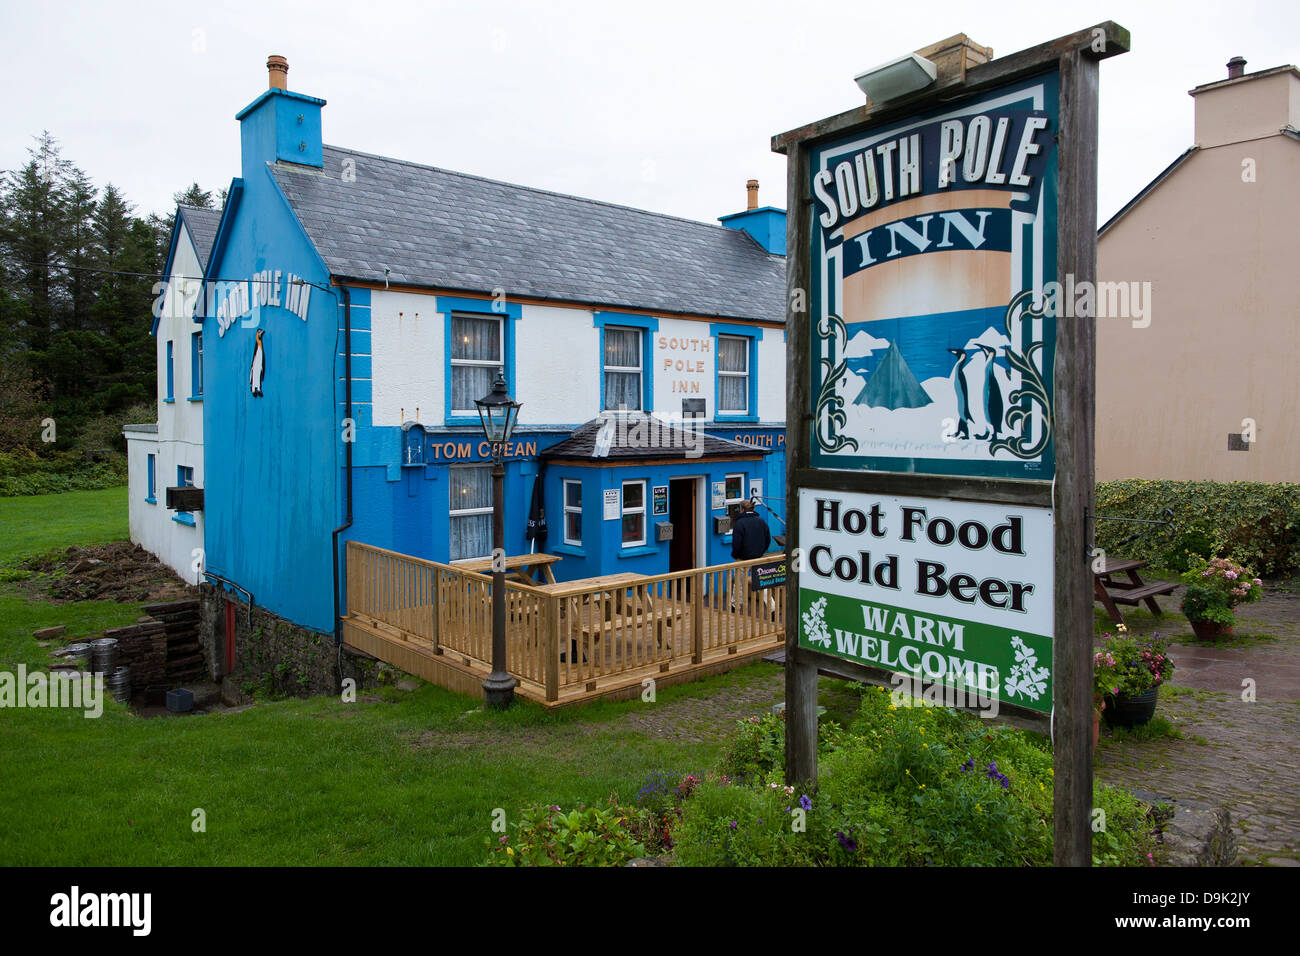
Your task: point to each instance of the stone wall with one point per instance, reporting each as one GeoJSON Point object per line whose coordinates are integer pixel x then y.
{"type": "Point", "coordinates": [273, 653]}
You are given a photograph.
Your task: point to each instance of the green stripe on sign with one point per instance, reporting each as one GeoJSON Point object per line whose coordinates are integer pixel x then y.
{"type": "Point", "coordinates": [1005, 664]}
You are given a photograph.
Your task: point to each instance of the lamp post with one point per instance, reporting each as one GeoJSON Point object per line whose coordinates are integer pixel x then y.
{"type": "Point", "coordinates": [498, 413]}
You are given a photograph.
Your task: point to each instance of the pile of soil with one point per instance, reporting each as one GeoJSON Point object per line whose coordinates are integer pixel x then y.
{"type": "Point", "coordinates": [121, 571]}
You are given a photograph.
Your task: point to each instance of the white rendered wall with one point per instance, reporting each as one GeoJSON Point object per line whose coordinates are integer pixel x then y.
{"type": "Point", "coordinates": [557, 353]}
{"type": "Point", "coordinates": [407, 358]}
{"type": "Point", "coordinates": [771, 376]}
{"type": "Point", "coordinates": [179, 440]}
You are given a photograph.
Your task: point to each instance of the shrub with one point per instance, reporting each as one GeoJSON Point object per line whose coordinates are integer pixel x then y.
{"type": "Point", "coordinates": [1215, 588]}
{"type": "Point", "coordinates": [1253, 523]}
{"type": "Point", "coordinates": [25, 473]}
{"type": "Point", "coordinates": [585, 836]}
{"type": "Point", "coordinates": [906, 786]}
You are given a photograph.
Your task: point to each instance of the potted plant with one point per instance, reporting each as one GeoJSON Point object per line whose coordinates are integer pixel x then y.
{"type": "Point", "coordinates": [1215, 588]}
{"type": "Point", "coordinates": [1105, 683]}
{"type": "Point", "coordinates": [1140, 666]}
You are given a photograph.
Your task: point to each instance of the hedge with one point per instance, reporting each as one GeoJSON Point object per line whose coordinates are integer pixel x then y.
{"type": "Point", "coordinates": [1254, 523]}
{"type": "Point", "coordinates": [22, 473]}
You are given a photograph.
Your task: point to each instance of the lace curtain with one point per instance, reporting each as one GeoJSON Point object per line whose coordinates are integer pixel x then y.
{"type": "Point", "coordinates": [473, 340]}
{"type": "Point", "coordinates": [471, 534]}
{"type": "Point", "coordinates": [733, 390]}
{"type": "Point", "coordinates": [622, 351]}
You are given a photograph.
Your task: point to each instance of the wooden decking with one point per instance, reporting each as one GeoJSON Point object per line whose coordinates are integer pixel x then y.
{"type": "Point", "coordinates": [567, 642]}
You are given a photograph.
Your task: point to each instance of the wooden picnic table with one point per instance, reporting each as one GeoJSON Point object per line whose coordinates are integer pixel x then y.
{"type": "Point", "coordinates": [1132, 592]}
{"type": "Point", "coordinates": [534, 569]}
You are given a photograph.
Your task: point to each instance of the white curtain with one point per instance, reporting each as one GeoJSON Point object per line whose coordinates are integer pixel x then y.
{"type": "Point", "coordinates": [622, 350]}
{"type": "Point", "coordinates": [471, 534]}
{"type": "Point", "coordinates": [733, 390]}
{"type": "Point", "coordinates": [477, 340]}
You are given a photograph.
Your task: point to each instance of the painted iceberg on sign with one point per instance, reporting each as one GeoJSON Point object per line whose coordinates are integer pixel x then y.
{"type": "Point", "coordinates": [944, 386]}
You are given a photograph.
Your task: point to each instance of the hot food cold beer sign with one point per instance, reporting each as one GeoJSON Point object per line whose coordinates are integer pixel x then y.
{"type": "Point", "coordinates": [946, 593]}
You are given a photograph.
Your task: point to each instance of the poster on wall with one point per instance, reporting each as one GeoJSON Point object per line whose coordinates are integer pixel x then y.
{"type": "Point", "coordinates": [719, 495]}
{"type": "Point", "coordinates": [946, 592]}
{"type": "Point", "coordinates": [613, 504]}
{"type": "Point", "coordinates": [933, 289]}
{"type": "Point", "coordinates": [660, 499]}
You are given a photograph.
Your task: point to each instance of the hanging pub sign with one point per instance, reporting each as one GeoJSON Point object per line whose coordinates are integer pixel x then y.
{"type": "Point", "coordinates": [941, 396]}
{"type": "Point", "coordinates": [932, 241]}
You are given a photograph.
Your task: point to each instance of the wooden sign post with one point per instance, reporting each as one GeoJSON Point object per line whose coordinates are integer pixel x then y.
{"type": "Point", "coordinates": [941, 394]}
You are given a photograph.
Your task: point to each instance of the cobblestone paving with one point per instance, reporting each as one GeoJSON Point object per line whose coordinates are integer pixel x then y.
{"type": "Point", "coordinates": [1235, 753]}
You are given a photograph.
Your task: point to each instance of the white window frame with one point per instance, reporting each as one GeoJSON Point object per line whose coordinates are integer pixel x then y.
{"type": "Point", "coordinates": [633, 511]}
{"type": "Point", "coordinates": [497, 363]}
{"type": "Point", "coordinates": [454, 513]}
{"type": "Point", "coordinates": [638, 369]}
{"type": "Point", "coordinates": [569, 509]}
{"type": "Point", "coordinates": [728, 502]}
{"type": "Point", "coordinates": [746, 342]}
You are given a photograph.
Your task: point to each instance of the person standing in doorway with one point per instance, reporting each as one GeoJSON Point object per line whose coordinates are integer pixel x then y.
{"type": "Point", "coordinates": [750, 538]}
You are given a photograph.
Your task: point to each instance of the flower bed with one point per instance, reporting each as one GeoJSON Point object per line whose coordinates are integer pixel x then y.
{"type": "Point", "coordinates": [903, 785]}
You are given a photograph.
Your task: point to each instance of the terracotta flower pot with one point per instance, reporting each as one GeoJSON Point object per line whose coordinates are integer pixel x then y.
{"type": "Point", "coordinates": [1210, 630]}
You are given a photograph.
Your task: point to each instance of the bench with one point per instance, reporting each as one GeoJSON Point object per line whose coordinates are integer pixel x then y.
{"type": "Point", "coordinates": [1132, 592]}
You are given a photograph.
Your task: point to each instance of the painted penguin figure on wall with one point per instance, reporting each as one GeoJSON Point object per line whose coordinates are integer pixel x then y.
{"type": "Point", "coordinates": [257, 371]}
{"type": "Point", "coordinates": [962, 391]}
{"type": "Point", "coordinates": [992, 393]}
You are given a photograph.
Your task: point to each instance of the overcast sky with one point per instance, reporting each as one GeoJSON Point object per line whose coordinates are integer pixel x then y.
{"type": "Point", "coordinates": [663, 105]}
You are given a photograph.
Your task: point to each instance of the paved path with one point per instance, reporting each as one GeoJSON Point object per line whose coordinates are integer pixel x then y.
{"type": "Point", "coordinates": [1234, 752]}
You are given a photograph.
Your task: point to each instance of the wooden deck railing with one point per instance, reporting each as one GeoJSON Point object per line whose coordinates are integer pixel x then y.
{"type": "Point", "coordinates": [571, 638]}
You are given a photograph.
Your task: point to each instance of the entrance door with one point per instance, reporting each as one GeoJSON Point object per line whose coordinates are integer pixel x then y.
{"type": "Point", "coordinates": [681, 512]}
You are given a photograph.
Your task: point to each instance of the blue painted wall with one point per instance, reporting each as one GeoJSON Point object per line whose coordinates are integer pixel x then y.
{"type": "Point", "coordinates": [272, 497]}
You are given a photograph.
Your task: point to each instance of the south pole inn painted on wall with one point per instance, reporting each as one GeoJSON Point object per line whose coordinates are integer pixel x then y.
{"type": "Point", "coordinates": [354, 306]}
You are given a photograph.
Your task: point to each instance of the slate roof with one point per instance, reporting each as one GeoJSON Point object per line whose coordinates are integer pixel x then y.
{"type": "Point", "coordinates": [202, 224]}
{"type": "Point", "coordinates": [657, 440]}
{"type": "Point", "coordinates": [435, 228]}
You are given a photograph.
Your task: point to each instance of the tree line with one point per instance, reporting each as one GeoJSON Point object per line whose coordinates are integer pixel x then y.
{"type": "Point", "coordinates": [77, 273]}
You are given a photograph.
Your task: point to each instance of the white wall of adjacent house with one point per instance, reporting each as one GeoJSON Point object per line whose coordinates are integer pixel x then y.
{"type": "Point", "coordinates": [559, 365]}
{"type": "Point", "coordinates": [178, 441]}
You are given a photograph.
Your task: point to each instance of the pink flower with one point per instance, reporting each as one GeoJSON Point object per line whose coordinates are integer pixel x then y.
{"type": "Point", "coordinates": [1230, 575]}
{"type": "Point", "coordinates": [1259, 583]}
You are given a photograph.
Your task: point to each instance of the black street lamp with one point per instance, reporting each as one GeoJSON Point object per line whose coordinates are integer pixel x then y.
{"type": "Point", "coordinates": [498, 412]}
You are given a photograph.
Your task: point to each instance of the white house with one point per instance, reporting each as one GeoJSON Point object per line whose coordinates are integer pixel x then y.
{"type": "Point", "coordinates": [170, 452]}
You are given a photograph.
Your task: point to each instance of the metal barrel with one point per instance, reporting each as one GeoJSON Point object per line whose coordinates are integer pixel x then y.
{"type": "Point", "coordinates": [119, 684]}
{"type": "Point", "coordinates": [103, 657]}
{"type": "Point", "coordinates": [80, 655]}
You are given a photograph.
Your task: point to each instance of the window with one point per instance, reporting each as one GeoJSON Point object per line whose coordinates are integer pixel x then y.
{"type": "Point", "coordinates": [623, 368]}
{"type": "Point", "coordinates": [476, 354]}
{"type": "Point", "coordinates": [470, 512]}
{"type": "Point", "coordinates": [171, 374]}
{"type": "Point", "coordinates": [196, 365]}
{"type": "Point", "coordinates": [151, 493]}
{"type": "Point", "coordinates": [735, 493]}
{"type": "Point", "coordinates": [572, 512]}
{"type": "Point", "coordinates": [184, 479]}
{"type": "Point", "coordinates": [633, 513]}
{"type": "Point", "coordinates": [733, 375]}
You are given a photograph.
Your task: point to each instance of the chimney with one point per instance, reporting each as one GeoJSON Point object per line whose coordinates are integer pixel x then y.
{"type": "Point", "coordinates": [277, 69]}
{"type": "Point", "coordinates": [752, 188]}
{"type": "Point", "coordinates": [280, 125]}
{"type": "Point", "coordinates": [1236, 67]}
{"type": "Point", "coordinates": [766, 225]}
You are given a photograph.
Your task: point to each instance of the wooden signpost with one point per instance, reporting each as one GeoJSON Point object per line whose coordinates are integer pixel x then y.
{"type": "Point", "coordinates": [941, 394]}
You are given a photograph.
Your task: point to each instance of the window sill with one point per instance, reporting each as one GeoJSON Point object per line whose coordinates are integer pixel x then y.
{"type": "Point", "coordinates": [194, 398]}
{"type": "Point", "coordinates": [638, 551]}
{"type": "Point", "coordinates": [151, 500]}
{"type": "Point", "coordinates": [573, 550]}
{"type": "Point", "coordinates": [169, 401]}
{"type": "Point", "coordinates": [184, 517]}
{"type": "Point", "coordinates": [720, 417]}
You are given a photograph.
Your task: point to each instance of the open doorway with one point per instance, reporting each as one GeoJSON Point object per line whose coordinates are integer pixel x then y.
{"type": "Point", "coordinates": [682, 505]}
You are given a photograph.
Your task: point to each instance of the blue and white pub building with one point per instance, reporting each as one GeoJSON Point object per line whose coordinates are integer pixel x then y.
{"type": "Point", "coordinates": [355, 306]}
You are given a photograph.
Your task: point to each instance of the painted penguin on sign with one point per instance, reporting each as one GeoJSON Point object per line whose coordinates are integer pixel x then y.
{"type": "Point", "coordinates": [257, 371]}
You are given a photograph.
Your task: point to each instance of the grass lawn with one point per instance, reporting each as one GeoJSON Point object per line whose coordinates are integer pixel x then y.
{"type": "Point", "coordinates": [398, 778]}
